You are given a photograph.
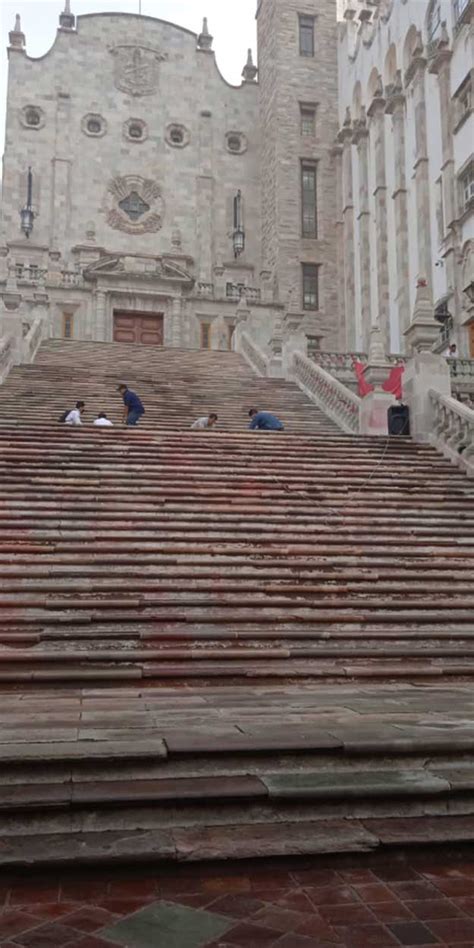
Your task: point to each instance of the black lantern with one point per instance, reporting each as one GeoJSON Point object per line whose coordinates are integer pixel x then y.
{"type": "Point", "coordinates": [238, 235]}
{"type": "Point", "coordinates": [469, 291]}
{"type": "Point", "coordinates": [27, 214]}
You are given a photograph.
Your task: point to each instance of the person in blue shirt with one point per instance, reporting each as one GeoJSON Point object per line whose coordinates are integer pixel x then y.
{"type": "Point", "coordinates": [133, 408]}
{"type": "Point", "coordinates": [264, 421]}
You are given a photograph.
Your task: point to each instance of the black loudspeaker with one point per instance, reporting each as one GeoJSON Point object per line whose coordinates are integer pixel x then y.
{"type": "Point", "coordinates": [398, 420]}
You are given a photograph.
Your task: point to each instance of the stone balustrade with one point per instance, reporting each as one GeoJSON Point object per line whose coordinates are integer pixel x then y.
{"type": "Point", "coordinates": [33, 340]}
{"type": "Point", "coordinates": [71, 278]}
{"type": "Point", "coordinates": [234, 291]}
{"type": "Point", "coordinates": [339, 403]}
{"type": "Point", "coordinates": [31, 274]}
{"type": "Point", "coordinates": [206, 290]}
{"type": "Point", "coordinates": [453, 430]}
{"type": "Point", "coordinates": [252, 354]}
{"type": "Point", "coordinates": [7, 355]}
{"type": "Point", "coordinates": [462, 370]}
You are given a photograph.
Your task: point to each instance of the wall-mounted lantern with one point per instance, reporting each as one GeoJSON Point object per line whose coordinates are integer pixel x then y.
{"type": "Point", "coordinates": [27, 214]}
{"type": "Point", "coordinates": [238, 234]}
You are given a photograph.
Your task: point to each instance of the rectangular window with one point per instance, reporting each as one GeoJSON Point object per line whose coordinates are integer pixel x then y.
{"type": "Point", "coordinates": [465, 99]}
{"type": "Point", "coordinates": [310, 285]}
{"type": "Point", "coordinates": [308, 120]}
{"type": "Point", "coordinates": [309, 223]}
{"type": "Point", "coordinates": [68, 323]}
{"type": "Point", "coordinates": [306, 25]}
{"type": "Point", "coordinates": [467, 187]}
{"type": "Point", "coordinates": [205, 335]}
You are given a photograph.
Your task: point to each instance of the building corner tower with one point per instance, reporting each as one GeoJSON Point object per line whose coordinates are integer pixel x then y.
{"type": "Point", "coordinates": [297, 42]}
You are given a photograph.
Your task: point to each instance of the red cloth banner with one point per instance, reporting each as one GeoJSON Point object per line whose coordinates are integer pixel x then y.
{"type": "Point", "coordinates": [393, 384]}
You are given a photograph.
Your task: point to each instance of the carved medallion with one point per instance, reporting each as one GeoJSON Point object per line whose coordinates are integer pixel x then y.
{"type": "Point", "coordinates": [134, 204]}
{"type": "Point", "coordinates": [136, 69]}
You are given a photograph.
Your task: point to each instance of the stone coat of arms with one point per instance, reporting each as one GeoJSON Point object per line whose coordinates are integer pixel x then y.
{"type": "Point", "coordinates": [136, 69]}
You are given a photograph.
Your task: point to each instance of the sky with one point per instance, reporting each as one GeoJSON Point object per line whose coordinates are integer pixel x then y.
{"type": "Point", "coordinates": [232, 25]}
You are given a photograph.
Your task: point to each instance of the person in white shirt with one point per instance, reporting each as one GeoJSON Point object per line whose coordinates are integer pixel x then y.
{"type": "Point", "coordinates": [207, 421]}
{"type": "Point", "coordinates": [102, 420]}
{"type": "Point", "coordinates": [74, 416]}
{"type": "Point", "coordinates": [451, 352]}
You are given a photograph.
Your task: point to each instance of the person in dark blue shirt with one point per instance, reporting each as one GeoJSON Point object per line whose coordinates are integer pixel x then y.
{"type": "Point", "coordinates": [264, 421]}
{"type": "Point", "coordinates": [133, 408]}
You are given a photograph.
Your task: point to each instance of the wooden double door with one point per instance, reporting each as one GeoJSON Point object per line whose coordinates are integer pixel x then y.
{"type": "Point", "coordinates": [142, 329]}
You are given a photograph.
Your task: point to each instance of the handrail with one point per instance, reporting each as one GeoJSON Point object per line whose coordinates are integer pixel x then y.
{"type": "Point", "coordinates": [453, 430]}
{"type": "Point", "coordinates": [339, 403]}
{"type": "Point", "coordinates": [7, 355]}
{"type": "Point", "coordinates": [252, 354]}
{"type": "Point", "coordinates": [33, 339]}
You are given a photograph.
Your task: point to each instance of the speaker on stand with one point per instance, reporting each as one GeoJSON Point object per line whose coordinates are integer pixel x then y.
{"type": "Point", "coordinates": [398, 420]}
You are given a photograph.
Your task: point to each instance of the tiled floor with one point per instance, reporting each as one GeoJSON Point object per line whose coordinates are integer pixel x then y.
{"type": "Point", "coordinates": [277, 905]}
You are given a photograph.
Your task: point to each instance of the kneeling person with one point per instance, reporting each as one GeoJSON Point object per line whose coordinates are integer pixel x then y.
{"type": "Point", "coordinates": [207, 421]}
{"type": "Point", "coordinates": [102, 420]}
{"type": "Point", "coordinates": [264, 421]}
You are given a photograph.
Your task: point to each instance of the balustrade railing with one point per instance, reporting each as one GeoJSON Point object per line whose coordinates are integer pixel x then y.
{"type": "Point", "coordinates": [71, 278]}
{"type": "Point", "coordinates": [462, 370]}
{"type": "Point", "coordinates": [251, 352]}
{"type": "Point", "coordinates": [7, 355]}
{"type": "Point", "coordinates": [235, 291]}
{"type": "Point", "coordinates": [31, 274]}
{"type": "Point", "coordinates": [32, 340]}
{"type": "Point", "coordinates": [342, 405]}
{"type": "Point", "coordinates": [205, 290]}
{"type": "Point", "coordinates": [453, 430]}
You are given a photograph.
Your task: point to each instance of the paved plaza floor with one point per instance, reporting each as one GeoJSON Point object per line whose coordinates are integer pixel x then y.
{"type": "Point", "coordinates": [425, 900]}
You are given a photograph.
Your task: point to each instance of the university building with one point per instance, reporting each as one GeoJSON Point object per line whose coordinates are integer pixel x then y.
{"type": "Point", "coordinates": [145, 199]}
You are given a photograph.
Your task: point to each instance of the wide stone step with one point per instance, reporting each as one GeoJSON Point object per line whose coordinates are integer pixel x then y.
{"type": "Point", "coordinates": [237, 842]}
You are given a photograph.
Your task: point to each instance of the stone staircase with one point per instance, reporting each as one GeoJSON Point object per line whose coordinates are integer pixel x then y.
{"type": "Point", "coordinates": [225, 643]}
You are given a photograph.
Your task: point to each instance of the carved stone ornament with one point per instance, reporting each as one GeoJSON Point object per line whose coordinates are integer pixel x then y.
{"type": "Point", "coordinates": [134, 204]}
{"type": "Point", "coordinates": [136, 69]}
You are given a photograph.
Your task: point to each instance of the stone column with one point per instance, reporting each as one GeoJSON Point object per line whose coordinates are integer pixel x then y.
{"type": "Point", "coordinates": [361, 140]}
{"type": "Point", "coordinates": [396, 108]}
{"type": "Point", "coordinates": [345, 138]}
{"type": "Point", "coordinates": [342, 326]}
{"type": "Point", "coordinates": [100, 316]}
{"type": "Point", "coordinates": [441, 67]}
{"type": "Point", "coordinates": [424, 370]}
{"type": "Point", "coordinates": [205, 201]}
{"type": "Point", "coordinates": [415, 75]}
{"type": "Point", "coordinates": [176, 322]}
{"type": "Point", "coordinates": [376, 112]}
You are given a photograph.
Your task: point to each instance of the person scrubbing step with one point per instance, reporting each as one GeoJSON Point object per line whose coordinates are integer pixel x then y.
{"type": "Point", "coordinates": [264, 421]}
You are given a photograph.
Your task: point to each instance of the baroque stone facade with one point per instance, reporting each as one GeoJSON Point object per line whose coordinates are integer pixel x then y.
{"type": "Point", "coordinates": [406, 113]}
{"type": "Point", "coordinates": [149, 171]}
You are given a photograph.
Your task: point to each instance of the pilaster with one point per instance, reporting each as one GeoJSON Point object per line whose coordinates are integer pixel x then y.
{"type": "Point", "coordinates": [396, 108]}
{"type": "Point", "coordinates": [376, 114]}
{"type": "Point", "coordinates": [345, 139]}
{"type": "Point", "coordinates": [415, 75]}
{"type": "Point", "coordinates": [361, 140]}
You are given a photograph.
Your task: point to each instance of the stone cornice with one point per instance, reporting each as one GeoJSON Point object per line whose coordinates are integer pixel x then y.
{"type": "Point", "coordinates": [394, 102]}
{"type": "Point", "coordinates": [417, 65]}
{"type": "Point", "coordinates": [361, 133]}
{"type": "Point", "coordinates": [344, 136]}
{"type": "Point", "coordinates": [441, 58]}
{"type": "Point", "coordinates": [376, 106]}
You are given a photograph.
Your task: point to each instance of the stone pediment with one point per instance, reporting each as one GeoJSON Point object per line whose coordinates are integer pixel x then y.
{"type": "Point", "coordinates": [139, 268]}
